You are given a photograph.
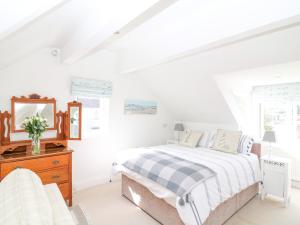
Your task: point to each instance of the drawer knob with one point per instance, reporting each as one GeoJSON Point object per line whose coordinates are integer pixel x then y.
{"type": "Point", "coordinates": [55, 162]}
{"type": "Point", "coordinates": [55, 177]}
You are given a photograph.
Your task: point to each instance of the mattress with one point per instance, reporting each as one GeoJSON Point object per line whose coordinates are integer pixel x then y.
{"type": "Point", "coordinates": [234, 174]}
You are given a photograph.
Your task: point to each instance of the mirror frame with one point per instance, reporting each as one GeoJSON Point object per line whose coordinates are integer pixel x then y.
{"type": "Point", "coordinates": [32, 99]}
{"type": "Point", "coordinates": [79, 105]}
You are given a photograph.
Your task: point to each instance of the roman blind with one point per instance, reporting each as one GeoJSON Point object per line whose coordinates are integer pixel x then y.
{"type": "Point", "coordinates": [91, 87]}
{"type": "Point", "coordinates": [278, 92]}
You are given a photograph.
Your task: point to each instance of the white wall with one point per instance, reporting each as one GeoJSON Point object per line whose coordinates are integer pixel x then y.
{"type": "Point", "coordinates": [209, 126]}
{"type": "Point", "coordinates": [188, 91]}
{"type": "Point", "coordinates": [44, 74]}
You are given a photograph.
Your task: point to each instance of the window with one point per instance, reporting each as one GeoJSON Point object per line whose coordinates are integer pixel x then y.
{"type": "Point", "coordinates": [95, 116]}
{"type": "Point", "coordinates": [279, 110]}
{"type": "Point", "coordinates": [283, 118]}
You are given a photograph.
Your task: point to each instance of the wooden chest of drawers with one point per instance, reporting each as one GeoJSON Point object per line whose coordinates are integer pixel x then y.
{"type": "Point", "coordinates": [52, 166]}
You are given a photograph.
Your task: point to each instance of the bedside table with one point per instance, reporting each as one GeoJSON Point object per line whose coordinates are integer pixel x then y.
{"type": "Point", "coordinates": [172, 141]}
{"type": "Point", "coordinates": [276, 177]}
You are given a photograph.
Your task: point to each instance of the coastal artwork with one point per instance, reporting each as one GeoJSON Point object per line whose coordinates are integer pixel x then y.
{"type": "Point", "coordinates": [133, 107]}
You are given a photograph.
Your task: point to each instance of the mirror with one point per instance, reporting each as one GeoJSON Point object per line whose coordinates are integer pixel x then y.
{"type": "Point", "coordinates": [24, 110]}
{"type": "Point", "coordinates": [20, 136]}
{"type": "Point", "coordinates": [27, 107]}
{"type": "Point", "coordinates": [74, 112]}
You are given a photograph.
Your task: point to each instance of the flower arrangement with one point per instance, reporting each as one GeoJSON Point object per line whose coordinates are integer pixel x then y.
{"type": "Point", "coordinates": [35, 126]}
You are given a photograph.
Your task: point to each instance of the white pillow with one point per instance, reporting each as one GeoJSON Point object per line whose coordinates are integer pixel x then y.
{"type": "Point", "coordinates": [212, 138]}
{"type": "Point", "coordinates": [204, 139]}
{"type": "Point", "coordinates": [186, 136]}
{"type": "Point", "coordinates": [245, 144]}
{"type": "Point", "coordinates": [192, 139]}
{"type": "Point", "coordinates": [207, 139]}
{"type": "Point", "coordinates": [23, 200]}
{"type": "Point", "coordinates": [227, 141]}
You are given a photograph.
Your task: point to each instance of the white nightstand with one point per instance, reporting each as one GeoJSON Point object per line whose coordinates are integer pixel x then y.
{"type": "Point", "coordinates": [170, 141]}
{"type": "Point", "coordinates": [276, 177]}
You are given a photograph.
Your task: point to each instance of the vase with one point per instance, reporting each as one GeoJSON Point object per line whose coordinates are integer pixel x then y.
{"type": "Point", "coordinates": [36, 146]}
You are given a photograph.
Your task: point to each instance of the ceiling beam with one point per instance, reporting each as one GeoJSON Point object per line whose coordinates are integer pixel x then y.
{"type": "Point", "coordinates": [247, 35]}
{"type": "Point", "coordinates": [45, 10]}
{"type": "Point", "coordinates": [84, 44]}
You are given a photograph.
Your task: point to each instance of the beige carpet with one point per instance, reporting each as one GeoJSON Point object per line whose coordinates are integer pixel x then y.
{"type": "Point", "coordinates": [105, 206]}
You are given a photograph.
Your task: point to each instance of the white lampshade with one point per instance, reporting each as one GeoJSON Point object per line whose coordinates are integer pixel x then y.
{"type": "Point", "coordinates": [269, 136]}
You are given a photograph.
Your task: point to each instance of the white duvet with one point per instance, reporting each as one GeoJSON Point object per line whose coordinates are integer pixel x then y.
{"type": "Point", "coordinates": [234, 173]}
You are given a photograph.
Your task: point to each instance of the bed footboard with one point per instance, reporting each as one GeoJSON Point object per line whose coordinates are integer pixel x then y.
{"type": "Point", "coordinates": [153, 206]}
{"type": "Point", "coordinates": [167, 215]}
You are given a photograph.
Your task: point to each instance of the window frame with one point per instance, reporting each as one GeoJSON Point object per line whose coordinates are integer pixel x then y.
{"type": "Point", "coordinates": [293, 119]}
{"type": "Point", "coordinates": [90, 133]}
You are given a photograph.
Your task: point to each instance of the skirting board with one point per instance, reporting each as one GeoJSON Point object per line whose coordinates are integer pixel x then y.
{"type": "Point", "coordinates": [168, 215]}
{"type": "Point", "coordinates": [77, 186]}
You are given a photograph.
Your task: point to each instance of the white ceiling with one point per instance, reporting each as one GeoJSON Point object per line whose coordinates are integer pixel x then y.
{"type": "Point", "coordinates": [52, 29]}
{"type": "Point", "coordinates": [190, 24]}
{"type": "Point", "coordinates": [101, 19]}
{"type": "Point", "coordinates": [14, 14]}
{"type": "Point", "coordinates": [72, 26]}
{"type": "Point", "coordinates": [150, 31]}
{"type": "Point", "coordinates": [176, 46]}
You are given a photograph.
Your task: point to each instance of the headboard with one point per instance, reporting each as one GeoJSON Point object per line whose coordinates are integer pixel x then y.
{"type": "Point", "coordinates": [256, 149]}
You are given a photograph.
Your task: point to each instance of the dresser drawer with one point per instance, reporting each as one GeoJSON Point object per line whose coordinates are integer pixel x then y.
{"type": "Point", "coordinates": [57, 175]}
{"type": "Point", "coordinates": [64, 189]}
{"type": "Point", "coordinates": [36, 165]}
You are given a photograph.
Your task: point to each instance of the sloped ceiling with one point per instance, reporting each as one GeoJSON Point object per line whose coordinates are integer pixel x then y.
{"type": "Point", "coordinates": [187, 87]}
{"type": "Point", "coordinates": [52, 29]}
{"type": "Point", "coordinates": [142, 33]}
{"type": "Point", "coordinates": [75, 27]}
{"type": "Point", "coordinates": [17, 13]}
{"type": "Point", "coordinates": [176, 46]}
{"type": "Point", "coordinates": [190, 24]}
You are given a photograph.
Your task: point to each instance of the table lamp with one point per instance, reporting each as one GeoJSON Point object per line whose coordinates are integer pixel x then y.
{"type": "Point", "coordinates": [179, 128]}
{"type": "Point", "coordinates": [270, 137]}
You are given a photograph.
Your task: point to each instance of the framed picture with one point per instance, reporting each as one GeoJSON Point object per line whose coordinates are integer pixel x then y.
{"type": "Point", "coordinates": [133, 107]}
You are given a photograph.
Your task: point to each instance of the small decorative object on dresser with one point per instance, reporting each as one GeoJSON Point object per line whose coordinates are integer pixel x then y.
{"type": "Point", "coordinates": [35, 126]}
{"type": "Point", "coordinates": [276, 177]}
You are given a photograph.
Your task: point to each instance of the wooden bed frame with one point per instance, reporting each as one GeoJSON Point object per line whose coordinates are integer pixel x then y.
{"type": "Point", "coordinates": [166, 214]}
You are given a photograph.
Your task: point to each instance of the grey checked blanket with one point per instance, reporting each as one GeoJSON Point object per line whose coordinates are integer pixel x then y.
{"type": "Point", "coordinates": [176, 174]}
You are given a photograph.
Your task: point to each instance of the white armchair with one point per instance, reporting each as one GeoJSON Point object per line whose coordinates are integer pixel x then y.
{"type": "Point", "coordinates": [25, 200]}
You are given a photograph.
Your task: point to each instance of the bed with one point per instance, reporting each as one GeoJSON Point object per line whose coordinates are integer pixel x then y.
{"type": "Point", "coordinates": [162, 205]}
